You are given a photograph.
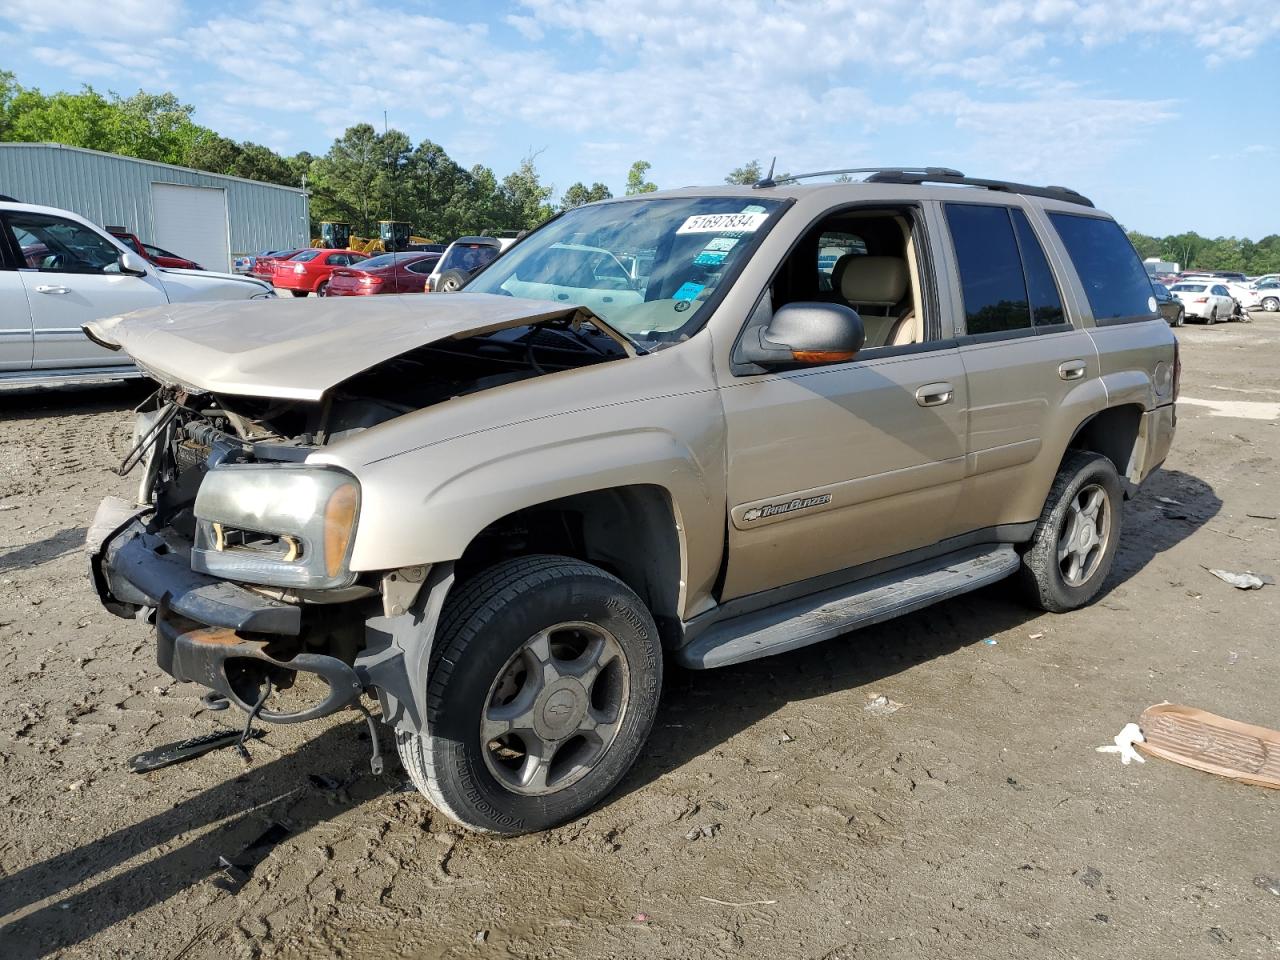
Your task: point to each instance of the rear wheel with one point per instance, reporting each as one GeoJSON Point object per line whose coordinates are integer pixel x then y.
{"type": "Point", "coordinates": [323, 289]}
{"type": "Point", "coordinates": [1075, 541]}
{"type": "Point", "coordinates": [1180, 319]}
{"type": "Point", "coordinates": [1213, 317]}
{"type": "Point", "coordinates": [451, 281]}
{"type": "Point", "coordinates": [542, 690]}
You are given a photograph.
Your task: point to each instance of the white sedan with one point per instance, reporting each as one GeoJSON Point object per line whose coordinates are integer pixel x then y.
{"type": "Point", "coordinates": [58, 272]}
{"type": "Point", "coordinates": [1205, 300]}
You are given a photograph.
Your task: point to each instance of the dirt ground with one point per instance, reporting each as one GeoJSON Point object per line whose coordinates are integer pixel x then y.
{"type": "Point", "coordinates": [772, 815]}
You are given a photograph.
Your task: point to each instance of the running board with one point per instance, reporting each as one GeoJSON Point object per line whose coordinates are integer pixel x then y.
{"type": "Point", "coordinates": [821, 616]}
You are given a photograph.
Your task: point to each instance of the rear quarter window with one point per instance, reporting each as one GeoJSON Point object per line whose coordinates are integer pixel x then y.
{"type": "Point", "coordinates": [1114, 279]}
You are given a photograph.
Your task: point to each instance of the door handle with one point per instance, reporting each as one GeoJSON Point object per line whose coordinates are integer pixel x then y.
{"type": "Point", "coordinates": [1072, 370]}
{"type": "Point", "coordinates": [52, 288]}
{"type": "Point", "coordinates": [935, 394]}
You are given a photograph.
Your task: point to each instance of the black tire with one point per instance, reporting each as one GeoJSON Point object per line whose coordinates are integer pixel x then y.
{"type": "Point", "coordinates": [485, 625]}
{"type": "Point", "coordinates": [451, 281]}
{"type": "Point", "coordinates": [1213, 317]}
{"type": "Point", "coordinates": [1271, 304]}
{"type": "Point", "coordinates": [323, 289]}
{"type": "Point", "coordinates": [1180, 319]}
{"type": "Point", "coordinates": [1042, 576]}
{"type": "Point", "coordinates": [298, 293]}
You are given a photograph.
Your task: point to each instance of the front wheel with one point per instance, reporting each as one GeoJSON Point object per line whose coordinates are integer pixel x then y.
{"type": "Point", "coordinates": [1075, 541]}
{"type": "Point", "coordinates": [298, 293]}
{"type": "Point", "coordinates": [543, 687]}
{"type": "Point", "coordinates": [1271, 305]}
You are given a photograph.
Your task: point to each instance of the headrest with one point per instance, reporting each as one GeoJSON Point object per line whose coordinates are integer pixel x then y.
{"type": "Point", "coordinates": [873, 280]}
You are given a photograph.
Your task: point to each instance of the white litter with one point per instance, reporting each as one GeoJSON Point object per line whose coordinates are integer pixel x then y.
{"type": "Point", "coordinates": [1243, 581]}
{"type": "Point", "coordinates": [882, 705]}
{"type": "Point", "coordinates": [1123, 744]}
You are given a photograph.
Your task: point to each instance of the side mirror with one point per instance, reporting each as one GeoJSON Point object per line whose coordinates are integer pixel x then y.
{"type": "Point", "coordinates": [133, 264]}
{"type": "Point", "coordinates": [807, 332]}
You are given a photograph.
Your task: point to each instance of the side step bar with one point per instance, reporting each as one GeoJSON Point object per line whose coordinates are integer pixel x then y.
{"type": "Point", "coordinates": [838, 610]}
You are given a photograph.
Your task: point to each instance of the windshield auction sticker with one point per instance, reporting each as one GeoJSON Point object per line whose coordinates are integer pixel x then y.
{"type": "Point", "coordinates": [724, 223]}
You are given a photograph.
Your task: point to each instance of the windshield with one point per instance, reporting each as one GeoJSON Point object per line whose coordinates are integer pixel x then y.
{"type": "Point", "coordinates": [645, 266]}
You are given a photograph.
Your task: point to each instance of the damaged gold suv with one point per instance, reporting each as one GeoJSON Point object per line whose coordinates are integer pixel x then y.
{"type": "Point", "coordinates": [704, 425]}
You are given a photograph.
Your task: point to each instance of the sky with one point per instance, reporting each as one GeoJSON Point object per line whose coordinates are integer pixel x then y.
{"type": "Point", "coordinates": [1165, 113]}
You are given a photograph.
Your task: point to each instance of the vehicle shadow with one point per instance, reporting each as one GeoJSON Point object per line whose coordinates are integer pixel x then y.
{"type": "Point", "coordinates": [703, 709]}
{"type": "Point", "coordinates": [35, 403]}
{"type": "Point", "coordinates": [279, 790]}
{"type": "Point", "coordinates": [44, 550]}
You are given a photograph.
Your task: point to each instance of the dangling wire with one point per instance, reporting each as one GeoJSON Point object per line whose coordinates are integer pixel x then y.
{"type": "Point", "coordinates": [248, 724]}
{"type": "Point", "coordinates": [147, 440]}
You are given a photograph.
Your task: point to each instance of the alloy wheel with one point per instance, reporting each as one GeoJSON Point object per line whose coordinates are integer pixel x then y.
{"type": "Point", "coordinates": [555, 708]}
{"type": "Point", "coordinates": [1083, 539]}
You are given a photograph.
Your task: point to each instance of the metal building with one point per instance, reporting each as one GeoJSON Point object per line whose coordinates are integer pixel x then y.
{"type": "Point", "coordinates": [205, 217]}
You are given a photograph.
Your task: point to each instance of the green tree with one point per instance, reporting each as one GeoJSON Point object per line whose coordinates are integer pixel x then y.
{"type": "Point", "coordinates": [524, 197]}
{"type": "Point", "coordinates": [636, 182]}
{"type": "Point", "coordinates": [746, 174]}
{"type": "Point", "coordinates": [580, 193]}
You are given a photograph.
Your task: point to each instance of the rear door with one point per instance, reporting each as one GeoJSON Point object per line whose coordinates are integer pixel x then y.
{"type": "Point", "coordinates": [16, 339]}
{"type": "Point", "coordinates": [1022, 358]}
{"type": "Point", "coordinates": [71, 275]}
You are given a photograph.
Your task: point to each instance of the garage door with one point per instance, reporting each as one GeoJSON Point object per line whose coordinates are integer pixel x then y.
{"type": "Point", "coordinates": [192, 222]}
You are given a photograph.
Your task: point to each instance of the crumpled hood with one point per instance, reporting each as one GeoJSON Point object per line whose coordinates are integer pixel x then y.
{"type": "Point", "coordinates": [298, 349]}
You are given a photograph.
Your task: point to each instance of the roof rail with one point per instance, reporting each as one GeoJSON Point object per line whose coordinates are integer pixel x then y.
{"type": "Point", "coordinates": [1065, 194]}
{"type": "Point", "coordinates": [770, 181]}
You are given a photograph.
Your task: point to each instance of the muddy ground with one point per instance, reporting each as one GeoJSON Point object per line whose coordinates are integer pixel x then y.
{"type": "Point", "coordinates": [772, 815]}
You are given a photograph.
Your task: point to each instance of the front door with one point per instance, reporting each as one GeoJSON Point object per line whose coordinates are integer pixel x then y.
{"type": "Point", "coordinates": [831, 467]}
{"type": "Point", "coordinates": [71, 275]}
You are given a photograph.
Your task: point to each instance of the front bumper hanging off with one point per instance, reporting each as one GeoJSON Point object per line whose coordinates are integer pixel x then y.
{"type": "Point", "coordinates": [201, 620]}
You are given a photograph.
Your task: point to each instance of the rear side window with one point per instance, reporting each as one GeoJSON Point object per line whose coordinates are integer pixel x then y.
{"type": "Point", "coordinates": [1114, 278]}
{"type": "Point", "coordinates": [994, 289]}
{"type": "Point", "coordinates": [1046, 303]}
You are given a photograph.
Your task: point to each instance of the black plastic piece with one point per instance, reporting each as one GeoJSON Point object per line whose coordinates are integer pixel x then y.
{"type": "Point", "coordinates": [184, 750]}
{"type": "Point", "coordinates": [234, 874]}
{"type": "Point", "coordinates": [141, 569]}
{"type": "Point", "coordinates": [914, 178]}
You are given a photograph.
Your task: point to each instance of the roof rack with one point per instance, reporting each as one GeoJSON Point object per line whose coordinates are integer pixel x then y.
{"type": "Point", "coordinates": [770, 181]}
{"type": "Point", "coordinates": [922, 175]}
{"type": "Point", "coordinates": [1065, 194]}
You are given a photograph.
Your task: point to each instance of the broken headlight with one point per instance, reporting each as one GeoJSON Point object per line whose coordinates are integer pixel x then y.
{"type": "Point", "coordinates": [285, 525]}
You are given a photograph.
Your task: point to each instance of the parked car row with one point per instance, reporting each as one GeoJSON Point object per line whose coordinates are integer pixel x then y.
{"type": "Point", "coordinates": [345, 273]}
{"type": "Point", "coordinates": [1213, 296]}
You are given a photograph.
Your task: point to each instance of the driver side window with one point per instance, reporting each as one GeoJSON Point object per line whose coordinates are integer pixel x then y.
{"type": "Point", "coordinates": [55, 245]}
{"type": "Point", "coordinates": [864, 259]}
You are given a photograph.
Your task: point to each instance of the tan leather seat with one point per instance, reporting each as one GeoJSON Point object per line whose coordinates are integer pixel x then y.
{"type": "Point", "coordinates": [875, 286]}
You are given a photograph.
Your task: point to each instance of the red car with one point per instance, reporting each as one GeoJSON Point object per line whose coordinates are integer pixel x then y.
{"type": "Point", "coordinates": [309, 271]}
{"type": "Point", "coordinates": [264, 264]}
{"type": "Point", "coordinates": [388, 273]}
{"type": "Point", "coordinates": [157, 255]}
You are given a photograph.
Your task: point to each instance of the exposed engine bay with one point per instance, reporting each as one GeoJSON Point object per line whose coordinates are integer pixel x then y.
{"type": "Point", "coordinates": [192, 433]}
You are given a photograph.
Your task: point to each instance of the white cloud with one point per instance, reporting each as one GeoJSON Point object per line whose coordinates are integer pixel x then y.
{"type": "Point", "coordinates": [119, 18]}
